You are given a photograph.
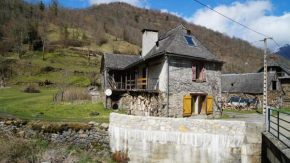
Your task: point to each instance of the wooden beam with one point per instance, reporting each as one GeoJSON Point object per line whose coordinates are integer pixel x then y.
{"type": "Point", "coordinates": [142, 79]}
{"type": "Point", "coordinates": [142, 83]}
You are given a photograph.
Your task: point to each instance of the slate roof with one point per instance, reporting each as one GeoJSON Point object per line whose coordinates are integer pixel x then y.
{"type": "Point", "coordinates": [119, 61]}
{"type": "Point", "coordinates": [251, 83]}
{"type": "Point", "coordinates": [275, 63]}
{"type": "Point", "coordinates": [174, 42]}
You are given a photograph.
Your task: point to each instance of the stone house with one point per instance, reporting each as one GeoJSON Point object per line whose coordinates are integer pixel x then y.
{"type": "Point", "coordinates": [283, 79]}
{"type": "Point", "coordinates": [250, 86]}
{"type": "Point", "coordinates": [175, 76]}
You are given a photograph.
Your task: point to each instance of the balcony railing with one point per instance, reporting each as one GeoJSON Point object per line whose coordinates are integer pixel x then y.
{"type": "Point", "coordinates": [139, 84]}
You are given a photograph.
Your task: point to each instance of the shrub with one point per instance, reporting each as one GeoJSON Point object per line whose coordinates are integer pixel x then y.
{"type": "Point", "coordinates": [31, 89]}
{"type": "Point", "coordinates": [74, 43]}
{"type": "Point", "coordinates": [103, 41]}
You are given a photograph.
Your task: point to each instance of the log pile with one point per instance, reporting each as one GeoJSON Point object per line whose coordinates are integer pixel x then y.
{"type": "Point", "coordinates": [144, 105]}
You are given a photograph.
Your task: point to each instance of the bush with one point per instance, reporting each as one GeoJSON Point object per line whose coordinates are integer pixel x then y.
{"type": "Point", "coordinates": [31, 89]}
{"type": "Point", "coordinates": [74, 43]}
{"type": "Point", "coordinates": [103, 41]}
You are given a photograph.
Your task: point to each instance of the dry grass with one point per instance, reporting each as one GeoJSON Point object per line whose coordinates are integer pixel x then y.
{"type": "Point", "coordinates": [16, 149]}
{"type": "Point", "coordinates": [74, 94]}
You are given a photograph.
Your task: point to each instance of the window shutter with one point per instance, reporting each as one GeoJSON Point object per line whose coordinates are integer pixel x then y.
{"type": "Point", "coordinates": [186, 106]}
{"type": "Point", "coordinates": [209, 104]}
{"type": "Point", "coordinates": [193, 67]}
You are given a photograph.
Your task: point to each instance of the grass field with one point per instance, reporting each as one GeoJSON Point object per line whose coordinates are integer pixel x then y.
{"type": "Point", "coordinates": [39, 106]}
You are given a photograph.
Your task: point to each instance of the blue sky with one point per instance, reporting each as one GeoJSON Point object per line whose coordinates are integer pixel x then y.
{"type": "Point", "coordinates": [270, 17]}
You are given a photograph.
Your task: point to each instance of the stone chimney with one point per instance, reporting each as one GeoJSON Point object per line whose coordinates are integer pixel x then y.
{"type": "Point", "coordinates": [149, 39]}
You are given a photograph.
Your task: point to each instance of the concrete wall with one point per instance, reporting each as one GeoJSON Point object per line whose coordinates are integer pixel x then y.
{"type": "Point", "coordinates": [273, 151]}
{"type": "Point", "coordinates": [151, 139]}
{"type": "Point", "coordinates": [180, 83]}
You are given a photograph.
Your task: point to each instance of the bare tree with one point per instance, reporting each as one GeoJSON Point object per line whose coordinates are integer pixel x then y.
{"type": "Point", "coordinates": [43, 32]}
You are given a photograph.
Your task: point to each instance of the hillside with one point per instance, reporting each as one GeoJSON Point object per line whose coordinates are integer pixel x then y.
{"type": "Point", "coordinates": [71, 41]}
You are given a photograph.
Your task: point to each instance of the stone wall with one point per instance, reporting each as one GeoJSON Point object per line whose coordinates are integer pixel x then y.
{"type": "Point", "coordinates": [180, 83]}
{"type": "Point", "coordinates": [285, 84]}
{"type": "Point", "coordinates": [152, 139]}
{"type": "Point", "coordinates": [94, 134]}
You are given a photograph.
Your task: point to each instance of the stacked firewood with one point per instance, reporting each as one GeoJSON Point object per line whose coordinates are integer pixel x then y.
{"type": "Point", "coordinates": [144, 105]}
{"type": "Point", "coordinates": [236, 107]}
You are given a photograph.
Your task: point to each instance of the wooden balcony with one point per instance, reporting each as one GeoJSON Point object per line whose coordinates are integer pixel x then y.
{"type": "Point", "coordinates": [140, 84]}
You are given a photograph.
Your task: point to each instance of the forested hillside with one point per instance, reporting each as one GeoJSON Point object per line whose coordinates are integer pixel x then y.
{"type": "Point", "coordinates": [36, 30]}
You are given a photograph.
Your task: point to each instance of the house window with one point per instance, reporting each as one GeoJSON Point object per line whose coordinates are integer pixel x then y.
{"type": "Point", "coordinates": [198, 71]}
{"type": "Point", "coordinates": [189, 40]}
{"type": "Point", "coordinates": [197, 104]}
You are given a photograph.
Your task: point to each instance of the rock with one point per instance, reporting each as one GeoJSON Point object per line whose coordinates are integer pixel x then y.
{"type": "Point", "coordinates": [54, 135]}
{"type": "Point", "coordinates": [92, 123]}
{"type": "Point", "coordinates": [81, 131]}
{"type": "Point", "coordinates": [94, 113]}
{"type": "Point", "coordinates": [21, 133]}
{"type": "Point", "coordinates": [97, 124]}
{"type": "Point", "coordinates": [217, 116]}
{"type": "Point", "coordinates": [8, 122]}
{"type": "Point", "coordinates": [105, 126]}
{"type": "Point", "coordinates": [83, 135]}
{"type": "Point", "coordinates": [182, 128]}
{"type": "Point", "coordinates": [151, 122]}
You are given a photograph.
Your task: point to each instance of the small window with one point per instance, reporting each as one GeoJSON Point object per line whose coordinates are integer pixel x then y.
{"type": "Point", "coordinates": [189, 40]}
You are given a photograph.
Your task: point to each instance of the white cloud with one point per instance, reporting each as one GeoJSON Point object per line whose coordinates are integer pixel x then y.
{"type": "Point", "coordinates": [173, 13]}
{"type": "Point", "coordinates": [132, 2]}
{"type": "Point", "coordinates": [254, 14]}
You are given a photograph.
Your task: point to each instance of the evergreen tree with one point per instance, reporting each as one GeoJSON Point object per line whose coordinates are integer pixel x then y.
{"type": "Point", "coordinates": [41, 6]}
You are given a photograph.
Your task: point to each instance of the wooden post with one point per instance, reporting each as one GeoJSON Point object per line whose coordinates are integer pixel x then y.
{"type": "Point", "coordinates": [121, 80]}
{"type": "Point", "coordinates": [136, 79]}
{"type": "Point", "coordinates": [126, 81]}
{"type": "Point", "coordinates": [130, 80]}
{"type": "Point", "coordinates": [147, 76]}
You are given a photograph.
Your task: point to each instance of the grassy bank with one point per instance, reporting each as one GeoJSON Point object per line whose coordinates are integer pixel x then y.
{"type": "Point", "coordinates": [39, 106]}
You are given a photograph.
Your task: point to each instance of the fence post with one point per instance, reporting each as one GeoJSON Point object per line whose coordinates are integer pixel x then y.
{"type": "Point", "coordinates": [278, 124]}
{"type": "Point", "coordinates": [268, 117]}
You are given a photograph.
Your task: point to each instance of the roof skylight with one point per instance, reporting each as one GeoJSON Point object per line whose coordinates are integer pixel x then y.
{"type": "Point", "coordinates": [189, 40]}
